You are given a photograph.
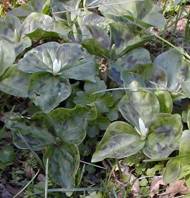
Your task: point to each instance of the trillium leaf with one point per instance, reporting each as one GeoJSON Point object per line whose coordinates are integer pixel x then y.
{"type": "Point", "coordinates": [164, 134]}
{"type": "Point", "coordinates": [67, 60]}
{"type": "Point", "coordinates": [139, 104]}
{"type": "Point", "coordinates": [23, 44]}
{"type": "Point", "coordinates": [99, 42]}
{"type": "Point", "coordinates": [35, 21]}
{"type": "Point", "coordinates": [124, 38]}
{"type": "Point", "coordinates": [27, 8]}
{"type": "Point", "coordinates": [92, 25]}
{"type": "Point", "coordinates": [63, 164]}
{"type": "Point", "coordinates": [136, 62]}
{"type": "Point", "coordinates": [70, 124]}
{"type": "Point", "coordinates": [172, 171]}
{"type": "Point", "coordinates": [184, 146]}
{"type": "Point", "coordinates": [7, 156]}
{"type": "Point", "coordinates": [188, 119]}
{"type": "Point", "coordinates": [10, 30]}
{"type": "Point", "coordinates": [34, 133]}
{"type": "Point", "coordinates": [120, 140]}
{"type": "Point", "coordinates": [143, 10]}
{"type": "Point", "coordinates": [165, 100]}
{"type": "Point", "coordinates": [7, 55]}
{"type": "Point", "coordinates": [39, 34]}
{"type": "Point", "coordinates": [170, 70]}
{"type": "Point", "coordinates": [186, 88]}
{"type": "Point", "coordinates": [15, 82]}
{"type": "Point", "coordinates": [48, 91]}
{"type": "Point", "coordinates": [59, 5]}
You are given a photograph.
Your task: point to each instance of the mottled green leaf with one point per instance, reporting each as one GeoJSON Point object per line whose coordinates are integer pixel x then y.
{"type": "Point", "coordinates": [7, 156]}
{"type": "Point", "coordinates": [124, 38]}
{"type": "Point", "coordinates": [48, 91]}
{"type": "Point", "coordinates": [23, 44]}
{"type": "Point", "coordinates": [136, 62]}
{"type": "Point", "coordinates": [170, 70]}
{"type": "Point", "coordinates": [10, 27]}
{"type": "Point", "coordinates": [59, 5]}
{"type": "Point", "coordinates": [27, 8]}
{"type": "Point", "coordinates": [37, 21]}
{"type": "Point", "coordinates": [144, 10]}
{"type": "Point", "coordinates": [120, 140]}
{"type": "Point", "coordinates": [68, 60]}
{"type": "Point", "coordinates": [165, 100]}
{"type": "Point", "coordinates": [172, 171]}
{"type": "Point", "coordinates": [138, 105]}
{"type": "Point", "coordinates": [184, 145]}
{"type": "Point", "coordinates": [93, 25]}
{"type": "Point", "coordinates": [15, 82]}
{"type": "Point", "coordinates": [188, 118]}
{"type": "Point", "coordinates": [70, 124]}
{"type": "Point", "coordinates": [186, 88]}
{"type": "Point", "coordinates": [100, 43]}
{"type": "Point", "coordinates": [163, 137]}
{"type": "Point", "coordinates": [39, 34]}
{"type": "Point", "coordinates": [35, 132]}
{"type": "Point", "coordinates": [7, 55]}
{"type": "Point", "coordinates": [64, 162]}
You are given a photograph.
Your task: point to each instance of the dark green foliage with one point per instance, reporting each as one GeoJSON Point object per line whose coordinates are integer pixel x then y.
{"type": "Point", "coordinates": [92, 89]}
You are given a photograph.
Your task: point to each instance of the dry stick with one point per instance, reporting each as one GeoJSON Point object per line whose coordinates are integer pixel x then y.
{"type": "Point", "coordinates": [27, 184]}
{"type": "Point", "coordinates": [33, 152]}
{"type": "Point", "coordinates": [46, 179]}
{"type": "Point", "coordinates": [88, 163]}
{"type": "Point", "coordinates": [133, 90]}
{"type": "Point", "coordinates": [74, 189]}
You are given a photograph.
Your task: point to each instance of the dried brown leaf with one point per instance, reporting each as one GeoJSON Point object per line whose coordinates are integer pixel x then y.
{"type": "Point", "coordinates": [176, 188]}
{"type": "Point", "coordinates": [155, 185]}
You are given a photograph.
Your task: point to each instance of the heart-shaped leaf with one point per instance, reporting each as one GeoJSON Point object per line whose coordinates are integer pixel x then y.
{"type": "Point", "coordinates": [186, 88]}
{"type": "Point", "coordinates": [15, 82]}
{"type": "Point", "coordinates": [64, 162]}
{"type": "Point", "coordinates": [164, 134]}
{"type": "Point", "coordinates": [184, 146]}
{"type": "Point", "coordinates": [188, 119]}
{"type": "Point", "coordinates": [136, 62]}
{"type": "Point", "coordinates": [47, 91]}
{"type": "Point", "coordinates": [37, 21]}
{"type": "Point", "coordinates": [7, 156]}
{"type": "Point", "coordinates": [7, 55]}
{"type": "Point", "coordinates": [137, 105]}
{"type": "Point", "coordinates": [27, 8]}
{"type": "Point", "coordinates": [170, 70]}
{"type": "Point", "coordinates": [142, 10]}
{"type": "Point", "coordinates": [165, 100]}
{"type": "Point", "coordinates": [124, 38]}
{"type": "Point", "coordinates": [100, 43]}
{"type": "Point", "coordinates": [34, 133]}
{"type": "Point", "coordinates": [70, 124]}
{"type": "Point", "coordinates": [172, 171]}
{"type": "Point", "coordinates": [9, 28]}
{"type": "Point", "coordinates": [67, 60]}
{"type": "Point", "coordinates": [120, 140]}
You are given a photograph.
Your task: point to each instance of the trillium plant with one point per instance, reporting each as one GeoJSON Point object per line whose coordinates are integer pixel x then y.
{"type": "Point", "coordinates": [86, 72]}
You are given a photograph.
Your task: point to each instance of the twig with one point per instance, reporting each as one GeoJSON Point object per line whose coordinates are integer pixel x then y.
{"type": "Point", "coordinates": [73, 189]}
{"type": "Point", "coordinates": [27, 184]}
{"type": "Point", "coordinates": [88, 163]}
{"type": "Point", "coordinates": [46, 179]}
